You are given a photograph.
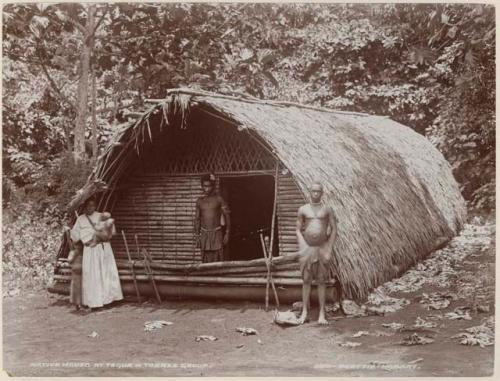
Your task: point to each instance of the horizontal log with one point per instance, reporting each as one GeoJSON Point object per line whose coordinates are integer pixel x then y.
{"type": "Point", "coordinates": [141, 271]}
{"type": "Point", "coordinates": [202, 279]}
{"type": "Point", "coordinates": [277, 261]}
{"type": "Point", "coordinates": [278, 264]}
{"type": "Point", "coordinates": [159, 255]}
{"type": "Point", "coordinates": [261, 274]}
{"type": "Point", "coordinates": [168, 234]}
{"type": "Point", "coordinates": [155, 215]}
{"type": "Point", "coordinates": [256, 293]}
{"type": "Point", "coordinates": [165, 199]}
{"type": "Point", "coordinates": [161, 189]}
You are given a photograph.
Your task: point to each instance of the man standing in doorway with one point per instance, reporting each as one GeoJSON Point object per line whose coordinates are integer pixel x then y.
{"type": "Point", "coordinates": [316, 234]}
{"type": "Point", "coordinates": [209, 210]}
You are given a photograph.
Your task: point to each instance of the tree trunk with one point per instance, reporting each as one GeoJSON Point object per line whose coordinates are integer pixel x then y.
{"type": "Point", "coordinates": [94, 119]}
{"type": "Point", "coordinates": [83, 85]}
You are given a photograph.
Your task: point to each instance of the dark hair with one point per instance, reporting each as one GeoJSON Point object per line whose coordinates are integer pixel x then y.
{"type": "Point", "coordinates": [208, 177]}
{"type": "Point", "coordinates": [90, 199]}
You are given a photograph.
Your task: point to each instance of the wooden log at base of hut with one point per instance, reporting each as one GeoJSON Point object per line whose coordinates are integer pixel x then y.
{"type": "Point", "coordinates": [211, 292]}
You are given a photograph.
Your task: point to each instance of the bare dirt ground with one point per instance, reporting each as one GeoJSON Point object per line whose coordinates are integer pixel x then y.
{"type": "Point", "coordinates": [43, 336]}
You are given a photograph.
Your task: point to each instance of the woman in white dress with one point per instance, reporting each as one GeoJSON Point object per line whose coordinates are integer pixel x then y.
{"type": "Point", "coordinates": [100, 280]}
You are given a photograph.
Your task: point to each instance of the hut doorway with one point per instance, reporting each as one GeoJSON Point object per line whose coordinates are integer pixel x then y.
{"type": "Point", "coordinates": [251, 200]}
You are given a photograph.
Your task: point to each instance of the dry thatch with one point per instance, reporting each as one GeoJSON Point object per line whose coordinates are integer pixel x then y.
{"type": "Point", "coordinates": [393, 193]}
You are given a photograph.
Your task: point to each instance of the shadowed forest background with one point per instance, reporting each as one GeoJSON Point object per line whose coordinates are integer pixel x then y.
{"type": "Point", "coordinates": [71, 72]}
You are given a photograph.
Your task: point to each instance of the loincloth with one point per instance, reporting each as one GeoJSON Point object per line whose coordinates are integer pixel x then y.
{"type": "Point", "coordinates": [211, 239]}
{"type": "Point", "coordinates": [315, 264]}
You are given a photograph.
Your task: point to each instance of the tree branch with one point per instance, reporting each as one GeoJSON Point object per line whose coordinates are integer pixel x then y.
{"type": "Point", "coordinates": [115, 108]}
{"type": "Point", "coordinates": [76, 24]}
{"type": "Point", "coordinates": [52, 82]}
{"type": "Point", "coordinates": [101, 19]}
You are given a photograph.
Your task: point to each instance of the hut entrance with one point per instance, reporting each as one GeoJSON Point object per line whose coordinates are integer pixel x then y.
{"type": "Point", "coordinates": [251, 200]}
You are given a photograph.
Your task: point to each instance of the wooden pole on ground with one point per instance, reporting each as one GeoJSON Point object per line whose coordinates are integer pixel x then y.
{"type": "Point", "coordinates": [271, 244]}
{"type": "Point", "coordinates": [149, 273]}
{"type": "Point", "coordinates": [269, 275]}
{"type": "Point", "coordinates": [132, 268]}
{"type": "Point", "coordinates": [147, 267]}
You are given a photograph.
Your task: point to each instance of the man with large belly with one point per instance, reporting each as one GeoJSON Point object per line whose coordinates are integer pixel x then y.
{"type": "Point", "coordinates": [316, 233]}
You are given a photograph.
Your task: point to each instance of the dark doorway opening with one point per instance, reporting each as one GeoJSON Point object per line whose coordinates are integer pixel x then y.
{"type": "Point", "coordinates": [251, 200]}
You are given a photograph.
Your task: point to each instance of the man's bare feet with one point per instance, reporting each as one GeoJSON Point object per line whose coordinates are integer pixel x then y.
{"type": "Point", "coordinates": [322, 321]}
{"type": "Point", "coordinates": [303, 317]}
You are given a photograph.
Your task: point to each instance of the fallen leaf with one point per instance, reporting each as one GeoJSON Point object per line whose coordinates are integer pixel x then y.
{"type": "Point", "coordinates": [351, 308]}
{"type": "Point", "coordinates": [421, 323]}
{"type": "Point", "coordinates": [416, 361]}
{"type": "Point", "coordinates": [379, 303]}
{"type": "Point", "coordinates": [484, 308]}
{"type": "Point", "coordinates": [246, 331]}
{"type": "Point", "coordinates": [157, 324]}
{"type": "Point", "coordinates": [415, 339]}
{"type": "Point", "coordinates": [459, 313]}
{"type": "Point", "coordinates": [205, 338]}
{"type": "Point", "coordinates": [360, 333]}
{"type": "Point", "coordinates": [382, 333]}
{"type": "Point", "coordinates": [393, 325]}
{"type": "Point", "coordinates": [240, 345]}
{"type": "Point", "coordinates": [331, 308]}
{"type": "Point", "coordinates": [349, 344]}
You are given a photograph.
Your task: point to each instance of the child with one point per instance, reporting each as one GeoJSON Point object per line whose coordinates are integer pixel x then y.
{"type": "Point", "coordinates": [75, 257]}
{"type": "Point", "coordinates": [105, 228]}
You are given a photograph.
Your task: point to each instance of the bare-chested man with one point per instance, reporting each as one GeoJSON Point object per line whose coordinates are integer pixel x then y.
{"type": "Point", "coordinates": [316, 233]}
{"type": "Point", "coordinates": [209, 209]}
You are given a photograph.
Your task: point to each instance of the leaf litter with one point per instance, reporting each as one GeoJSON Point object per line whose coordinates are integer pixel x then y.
{"type": "Point", "coordinates": [157, 324]}
{"type": "Point", "coordinates": [205, 338]}
{"type": "Point", "coordinates": [246, 331]}
{"type": "Point", "coordinates": [415, 339]}
{"type": "Point", "coordinates": [482, 335]}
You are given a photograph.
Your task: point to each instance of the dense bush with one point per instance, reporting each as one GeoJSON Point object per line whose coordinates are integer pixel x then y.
{"type": "Point", "coordinates": [49, 190]}
{"type": "Point", "coordinates": [30, 241]}
{"type": "Point", "coordinates": [428, 66]}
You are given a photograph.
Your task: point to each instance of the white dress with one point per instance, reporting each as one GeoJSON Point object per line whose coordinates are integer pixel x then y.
{"type": "Point", "coordinates": [100, 280]}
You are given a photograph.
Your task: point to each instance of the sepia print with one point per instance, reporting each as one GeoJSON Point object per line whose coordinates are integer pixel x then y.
{"type": "Point", "coordinates": [248, 189]}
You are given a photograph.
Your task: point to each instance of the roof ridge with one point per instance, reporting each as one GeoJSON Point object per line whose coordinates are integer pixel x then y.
{"type": "Point", "coordinates": [251, 99]}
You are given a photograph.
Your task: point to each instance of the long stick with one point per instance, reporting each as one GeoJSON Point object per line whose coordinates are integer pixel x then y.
{"type": "Point", "coordinates": [150, 273]}
{"type": "Point", "coordinates": [147, 267]}
{"type": "Point", "coordinates": [132, 268]}
{"type": "Point", "coordinates": [272, 286]}
{"type": "Point", "coordinates": [269, 275]}
{"type": "Point", "coordinates": [274, 210]}
{"type": "Point", "coordinates": [267, 264]}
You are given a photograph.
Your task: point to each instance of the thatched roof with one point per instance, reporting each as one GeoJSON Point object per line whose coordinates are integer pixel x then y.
{"type": "Point", "coordinates": [393, 193]}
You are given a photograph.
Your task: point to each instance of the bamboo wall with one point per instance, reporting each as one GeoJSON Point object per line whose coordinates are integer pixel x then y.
{"type": "Point", "coordinates": [160, 209]}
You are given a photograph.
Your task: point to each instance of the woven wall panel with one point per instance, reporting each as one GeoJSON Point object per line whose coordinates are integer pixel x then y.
{"type": "Point", "coordinates": [289, 200]}
{"type": "Point", "coordinates": [160, 209]}
{"type": "Point", "coordinates": [207, 149]}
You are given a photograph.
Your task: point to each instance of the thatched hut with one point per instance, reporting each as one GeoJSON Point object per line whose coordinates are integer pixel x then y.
{"type": "Point", "coordinates": [393, 193]}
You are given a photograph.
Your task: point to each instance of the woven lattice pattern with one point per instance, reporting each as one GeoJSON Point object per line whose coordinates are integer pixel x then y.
{"type": "Point", "coordinates": [211, 149]}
